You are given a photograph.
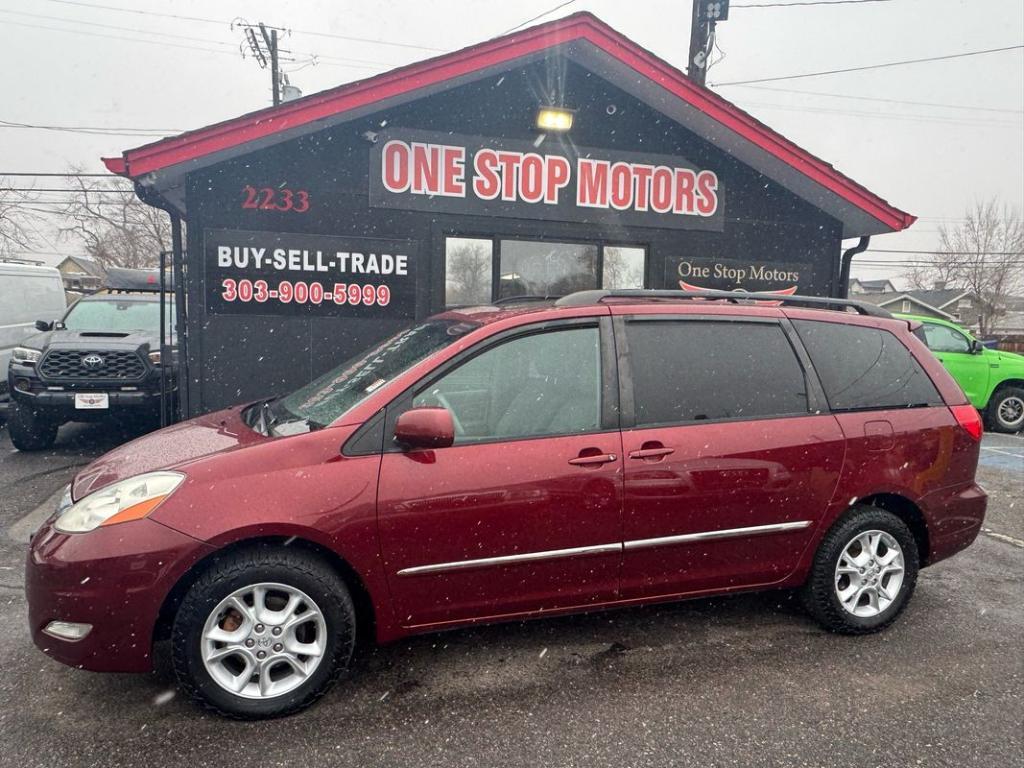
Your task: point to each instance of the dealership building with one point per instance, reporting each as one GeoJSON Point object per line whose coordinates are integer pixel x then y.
{"type": "Point", "coordinates": [558, 158]}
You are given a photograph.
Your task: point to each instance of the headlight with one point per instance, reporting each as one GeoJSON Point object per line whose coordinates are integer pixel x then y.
{"type": "Point", "coordinates": [154, 357]}
{"type": "Point", "coordinates": [130, 499]}
{"type": "Point", "coordinates": [26, 355]}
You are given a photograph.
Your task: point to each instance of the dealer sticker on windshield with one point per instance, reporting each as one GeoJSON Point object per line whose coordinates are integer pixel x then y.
{"type": "Point", "coordinates": [90, 400]}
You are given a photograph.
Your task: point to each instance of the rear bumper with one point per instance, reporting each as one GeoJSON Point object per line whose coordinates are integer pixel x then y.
{"type": "Point", "coordinates": [956, 515]}
{"type": "Point", "coordinates": [114, 579]}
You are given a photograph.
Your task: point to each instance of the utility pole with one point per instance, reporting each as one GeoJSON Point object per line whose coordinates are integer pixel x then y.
{"type": "Point", "coordinates": [264, 49]}
{"type": "Point", "coordinates": [275, 72]}
{"type": "Point", "coordinates": [702, 31]}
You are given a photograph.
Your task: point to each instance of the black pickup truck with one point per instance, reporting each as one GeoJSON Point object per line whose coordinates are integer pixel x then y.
{"type": "Point", "coordinates": [103, 358]}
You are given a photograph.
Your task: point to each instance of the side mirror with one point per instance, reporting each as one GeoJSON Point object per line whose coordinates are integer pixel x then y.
{"type": "Point", "coordinates": [977, 347]}
{"type": "Point", "coordinates": [425, 428]}
{"type": "Point", "coordinates": [43, 325]}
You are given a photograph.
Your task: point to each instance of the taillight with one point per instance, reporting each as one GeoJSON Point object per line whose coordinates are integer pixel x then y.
{"type": "Point", "coordinates": [968, 417]}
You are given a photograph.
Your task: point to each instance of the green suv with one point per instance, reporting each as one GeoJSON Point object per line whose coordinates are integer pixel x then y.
{"type": "Point", "coordinates": [992, 380]}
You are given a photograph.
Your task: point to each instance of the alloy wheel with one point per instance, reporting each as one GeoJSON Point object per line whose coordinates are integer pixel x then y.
{"type": "Point", "coordinates": [869, 574]}
{"type": "Point", "coordinates": [1011, 411]}
{"type": "Point", "coordinates": [263, 640]}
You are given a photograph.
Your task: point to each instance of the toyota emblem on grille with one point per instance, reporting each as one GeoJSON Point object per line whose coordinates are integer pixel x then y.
{"type": "Point", "coordinates": [92, 362]}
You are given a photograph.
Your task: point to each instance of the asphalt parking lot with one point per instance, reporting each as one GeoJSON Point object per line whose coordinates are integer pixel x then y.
{"type": "Point", "coordinates": [745, 681]}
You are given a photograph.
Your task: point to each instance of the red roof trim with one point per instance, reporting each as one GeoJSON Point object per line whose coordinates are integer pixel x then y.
{"type": "Point", "coordinates": [257, 125]}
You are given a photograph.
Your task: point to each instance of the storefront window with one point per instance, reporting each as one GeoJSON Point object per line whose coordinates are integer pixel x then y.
{"type": "Point", "coordinates": [467, 265]}
{"type": "Point", "coordinates": [533, 268]}
{"type": "Point", "coordinates": [623, 267]}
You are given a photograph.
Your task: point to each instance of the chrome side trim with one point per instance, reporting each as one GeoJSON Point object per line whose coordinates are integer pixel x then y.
{"type": "Point", "coordinates": [598, 549]}
{"type": "Point", "coordinates": [727, 533]}
{"type": "Point", "coordinates": [551, 554]}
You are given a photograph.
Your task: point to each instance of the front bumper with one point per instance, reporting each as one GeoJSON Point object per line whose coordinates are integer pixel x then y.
{"type": "Point", "coordinates": [59, 396]}
{"type": "Point", "coordinates": [115, 578]}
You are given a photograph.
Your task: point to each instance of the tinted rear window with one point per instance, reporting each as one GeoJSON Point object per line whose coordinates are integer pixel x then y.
{"type": "Point", "coordinates": [862, 368]}
{"type": "Point", "coordinates": [697, 371]}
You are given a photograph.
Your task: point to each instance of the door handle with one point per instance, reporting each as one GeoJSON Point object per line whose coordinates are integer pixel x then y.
{"type": "Point", "coordinates": [651, 450]}
{"type": "Point", "coordinates": [600, 458]}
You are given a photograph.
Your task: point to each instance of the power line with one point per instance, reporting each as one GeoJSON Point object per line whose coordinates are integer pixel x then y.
{"type": "Point", "coordinates": [54, 174]}
{"type": "Point", "coordinates": [539, 16]}
{"type": "Point", "coordinates": [807, 2]}
{"type": "Point", "coordinates": [871, 66]}
{"type": "Point", "coordinates": [938, 119]}
{"type": "Point", "coordinates": [884, 100]}
{"type": "Point", "coordinates": [199, 19]}
{"type": "Point", "coordinates": [94, 130]}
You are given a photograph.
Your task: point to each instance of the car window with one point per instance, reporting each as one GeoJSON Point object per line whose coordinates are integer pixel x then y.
{"type": "Point", "coordinates": [941, 338]}
{"type": "Point", "coordinates": [697, 371]}
{"type": "Point", "coordinates": [531, 386]}
{"type": "Point", "coordinates": [114, 315]}
{"type": "Point", "coordinates": [862, 368]}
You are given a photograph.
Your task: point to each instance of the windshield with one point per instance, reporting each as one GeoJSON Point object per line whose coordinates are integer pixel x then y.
{"type": "Point", "coordinates": [325, 399]}
{"type": "Point", "coordinates": [114, 315]}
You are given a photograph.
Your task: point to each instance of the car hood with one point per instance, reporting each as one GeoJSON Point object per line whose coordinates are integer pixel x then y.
{"type": "Point", "coordinates": [1010, 359]}
{"type": "Point", "coordinates": [81, 340]}
{"type": "Point", "coordinates": [168, 448]}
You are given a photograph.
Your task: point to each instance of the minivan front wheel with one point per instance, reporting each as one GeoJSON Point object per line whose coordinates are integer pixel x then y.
{"type": "Point", "coordinates": [263, 633]}
{"type": "Point", "coordinates": [864, 572]}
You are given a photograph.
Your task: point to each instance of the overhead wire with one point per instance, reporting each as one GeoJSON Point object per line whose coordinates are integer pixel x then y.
{"type": "Point", "coordinates": [870, 66]}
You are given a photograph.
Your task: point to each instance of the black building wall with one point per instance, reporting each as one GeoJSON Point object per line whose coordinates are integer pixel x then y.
{"type": "Point", "coordinates": [236, 357]}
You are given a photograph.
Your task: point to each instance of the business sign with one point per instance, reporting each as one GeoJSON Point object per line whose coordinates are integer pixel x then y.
{"type": "Point", "coordinates": [447, 173]}
{"type": "Point", "coordinates": [280, 273]}
{"type": "Point", "coordinates": [750, 275]}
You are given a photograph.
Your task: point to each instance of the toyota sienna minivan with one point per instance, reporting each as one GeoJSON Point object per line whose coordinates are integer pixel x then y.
{"type": "Point", "coordinates": [611, 448]}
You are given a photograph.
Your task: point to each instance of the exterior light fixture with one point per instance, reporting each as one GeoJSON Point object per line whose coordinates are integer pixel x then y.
{"type": "Point", "coordinates": [554, 119]}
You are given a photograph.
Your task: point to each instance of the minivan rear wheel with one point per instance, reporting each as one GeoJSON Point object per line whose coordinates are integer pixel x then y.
{"type": "Point", "coordinates": [30, 430]}
{"type": "Point", "coordinates": [263, 633]}
{"type": "Point", "coordinates": [864, 572]}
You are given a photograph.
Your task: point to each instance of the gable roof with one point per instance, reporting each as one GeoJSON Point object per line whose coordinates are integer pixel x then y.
{"type": "Point", "coordinates": [885, 299]}
{"type": "Point", "coordinates": [938, 298]}
{"type": "Point", "coordinates": [87, 266]}
{"type": "Point", "coordinates": [582, 37]}
{"type": "Point", "coordinates": [874, 285]}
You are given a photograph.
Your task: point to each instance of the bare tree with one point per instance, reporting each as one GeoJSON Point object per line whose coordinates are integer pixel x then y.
{"type": "Point", "coordinates": [983, 255]}
{"type": "Point", "coordinates": [115, 227]}
{"type": "Point", "coordinates": [468, 275]}
{"type": "Point", "coordinates": [16, 217]}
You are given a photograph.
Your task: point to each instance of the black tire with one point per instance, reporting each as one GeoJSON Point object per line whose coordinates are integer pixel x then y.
{"type": "Point", "coordinates": [819, 592]}
{"type": "Point", "coordinates": [994, 413]}
{"type": "Point", "coordinates": [30, 430]}
{"type": "Point", "coordinates": [293, 568]}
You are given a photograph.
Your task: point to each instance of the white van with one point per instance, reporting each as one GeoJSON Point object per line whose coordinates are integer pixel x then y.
{"type": "Point", "coordinates": [27, 293]}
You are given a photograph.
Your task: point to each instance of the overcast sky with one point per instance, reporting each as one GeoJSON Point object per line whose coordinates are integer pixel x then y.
{"type": "Point", "coordinates": [74, 63]}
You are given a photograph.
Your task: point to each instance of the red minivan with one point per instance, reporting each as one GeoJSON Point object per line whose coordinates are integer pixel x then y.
{"type": "Point", "coordinates": [498, 463]}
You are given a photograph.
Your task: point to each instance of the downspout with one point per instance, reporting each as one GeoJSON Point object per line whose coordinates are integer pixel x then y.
{"type": "Point", "coordinates": [846, 262]}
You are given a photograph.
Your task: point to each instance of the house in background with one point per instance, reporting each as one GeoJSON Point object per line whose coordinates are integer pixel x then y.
{"type": "Point", "coordinates": [81, 275]}
{"type": "Point", "coordinates": [954, 304]}
{"type": "Point", "coordinates": [859, 287]}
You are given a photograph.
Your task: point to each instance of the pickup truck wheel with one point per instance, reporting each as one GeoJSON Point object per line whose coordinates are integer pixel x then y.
{"type": "Point", "coordinates": [30, 430]}
{"type": "Point", "coordinates": [1005, 412]}
{"type": "Point", "coordinates": [864, 572]}
{"type": "Point", "coordinates": [263, 633]}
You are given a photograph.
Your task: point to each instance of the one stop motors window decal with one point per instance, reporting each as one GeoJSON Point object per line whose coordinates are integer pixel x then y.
{"type": "Point", "coordinates": [280, 273]}
{"type": "Point", "coordinates": [448, 173]}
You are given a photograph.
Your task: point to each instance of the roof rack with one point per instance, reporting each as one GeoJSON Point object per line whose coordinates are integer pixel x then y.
{"type": "Point", "coordinates": [524, 297]}
{"type": "Point", "coordinates": [125, 280]}
{"type": "Point", "coordinates": [586, 298]}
